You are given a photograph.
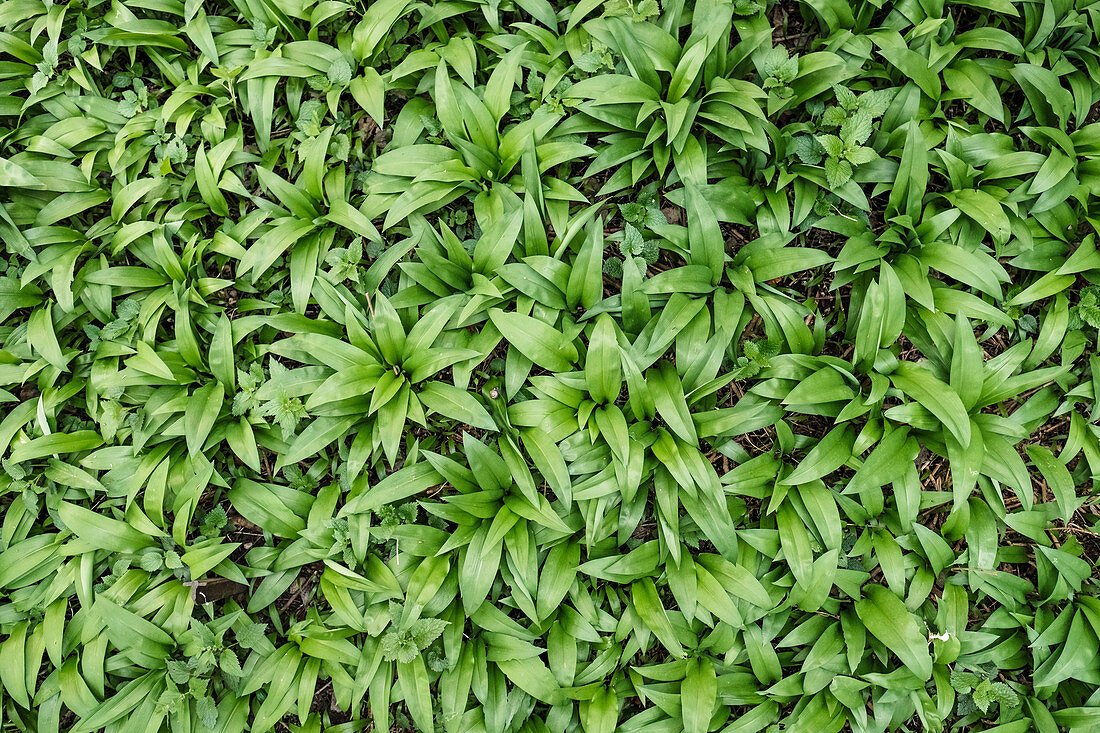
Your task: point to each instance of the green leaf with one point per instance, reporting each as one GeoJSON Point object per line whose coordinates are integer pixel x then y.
{"type": "Point", "coordinates": [559, 570]}
{"type": "Point", "coordinates": [318, 434]}
{"type": "Point", "coordinates": [707, 247]}
{"type": "Point", "coordinates": [539, 342]}
{"type": "Point", "coordinates": [202, 412]}
{"type": "Point", "coordinates": [889, 621]}
{"type": "Point", "coordinates": [457, 404]}
{"type": "Point", "coordinates": [54, 445]}
{"type": "Point", "coordinates": [1057, 478]}
{"type": "Point", "coordinates": [654, 616]}
{"type": "Point", "coordinates": [413, 676]}
{"type": "Point", "coordinates": [984, 209]}
{"type": "Point", "coordinates": [399, 485]}
{"type": "Point", "coordinates": [938, 398]}
{"type": "Point", "coordinates": [830, 453]}
{"type": "Point", "coordinates": [603, 366]}
{"type": "Point", "coordinates": [698, 695]}
{"type": "Point", "coordinates": [479, 568]}
{"type": "Point", "coordinates": [101, 532]}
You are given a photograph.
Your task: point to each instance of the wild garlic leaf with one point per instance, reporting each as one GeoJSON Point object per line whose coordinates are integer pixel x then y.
{"type": "Point", "coordinates": [627, 365]}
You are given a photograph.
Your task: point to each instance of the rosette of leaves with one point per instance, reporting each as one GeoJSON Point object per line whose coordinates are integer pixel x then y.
{"type": "Point", "coordinates": [166, 558]}
{"type": "Point", "coordinates": [406, 639]}
{"type": "Point", "coordinates": [16, 479]}
{"type": "Point", "coordinates": [644, 211]}
{"type": "Point", "coordinates": [639, 11]}
{"type": "Point", "coordinates": [135, 100]}
{"type": "Point", "coordinates": [311, 114]}
{"type": "Point", "coordinates": [635, 248]}
{"type": "Point", "coordinates": [403, 645]}
{"type": "Point", "coordinates": [118, 568]}
{"type": "Point", "coordinates": [852, 119]}
{"type": "Point", "coordinates": [390, 517]}
{"type": "Point", "coordinates": [213, 522]}
{"type": "Point", "coordinates": [849, 104]}
{"type": "Point", "coordinates": [206, 662]}
{"type": "Point", "coordinates": [474, 147]}
{"type": "Point", "coordinates": [599, 58]}
{"type": "Point", "coordinates": [248, 385]}
{"type": "Point", "coordinates": [168, 146]}
{"type": "Point", "coordinates": [338, 77]}
{"type": "Point", "coordinates": [278, 401]}
{"type": "Point", "coordinates": [779, 69]}
{"type": "Point", "coordinates": [121, 329]}
{"type": "Point", "coordinates": [343, 262]}
{"type": "Point", "coordinates": [46, 68]}
{"type": "Point", "coordinates": [662, 96]}
{"type": "Point", "coordinates": [312, 131]}
{"type": "Point", "coordinates": [1087, 310]}
{"type": "Point", "coordinates": [306, 481]}
{"type": "Point", "coordinates": [465, 226]}
{"type": "Point", "coordinates": [262, 35]}
{"type": "Point", "coordinates": [388, 383]}
{"type": "Point", "coordinates": [333, 83]}
{"type": "Point", "coordinates": [538, 95]}
{"type": "Point", "coordinates": [978, 691]}
{"type": "Point", "coordinates": [341, 540]}
{"type": "Point", "coordinates": [755, 355]}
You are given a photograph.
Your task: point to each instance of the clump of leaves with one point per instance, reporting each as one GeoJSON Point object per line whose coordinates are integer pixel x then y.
{"type": "Point", "coordinates": [464, 225]}
{"type": "Point", "coordinates": [311, 114]}
{"type": "Point", "coordinates": [978, 691]}
{"type": "Point", "coordinates": [338, 77]}
{"type": "Point", "coordinates": [118, 568]}
{"type": "Point", "coordinates": [403, 642]}
{"type": "Point", "coordinates": [343, 262]}
{"type": "Point", "coordinates": [852, 118]}
{"type": "Point", "coordinates": [169, 147]}
{"type": "Point", "coordinates": [755, 355]}
{"type": "Point", "coordinates": [46, 68]}
{"type": "Point", "coordinates": [635, 247]}
{"type": "Point", "coordinates": [248, 386]}
{"type": "Point", "coordinates": [262, 35]}
{"type": "Point", "coordinates": [300, 480]}
{"type": "Point", "coordinates": [124, 324]}
{"type": "Point", "coordinates": [779, 69]}
{"type": "Point", "coordinates": [390, 517]}
{"type": "Point", "coordinates": [19, 481]}
{"type": "Point", "coordinates": [287, 409]}
{"type": "Point", "coordinates": [1087, 310]}
{"type": "Point", "coordinates": [204, 655]}
{"type": "Point", "coordinates": [214, 521]}
{"type": "Point", "coordinates": [166, 558]}
{"type": "Point", "coordinates": [599, 58]}
{"type": "Point", "coordinates": [638, 11]}
{"type": "Point", "coordinates": [341, 539]}
{"type": "Point", "coordinates": [135, 99]}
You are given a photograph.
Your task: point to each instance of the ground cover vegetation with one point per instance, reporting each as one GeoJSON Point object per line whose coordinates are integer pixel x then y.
{"type": "Point", "coordinates": [518, 365]}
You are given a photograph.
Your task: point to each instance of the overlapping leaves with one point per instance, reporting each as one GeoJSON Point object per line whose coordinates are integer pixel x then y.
{"type": "Point", "coordinates": [531, 366]}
